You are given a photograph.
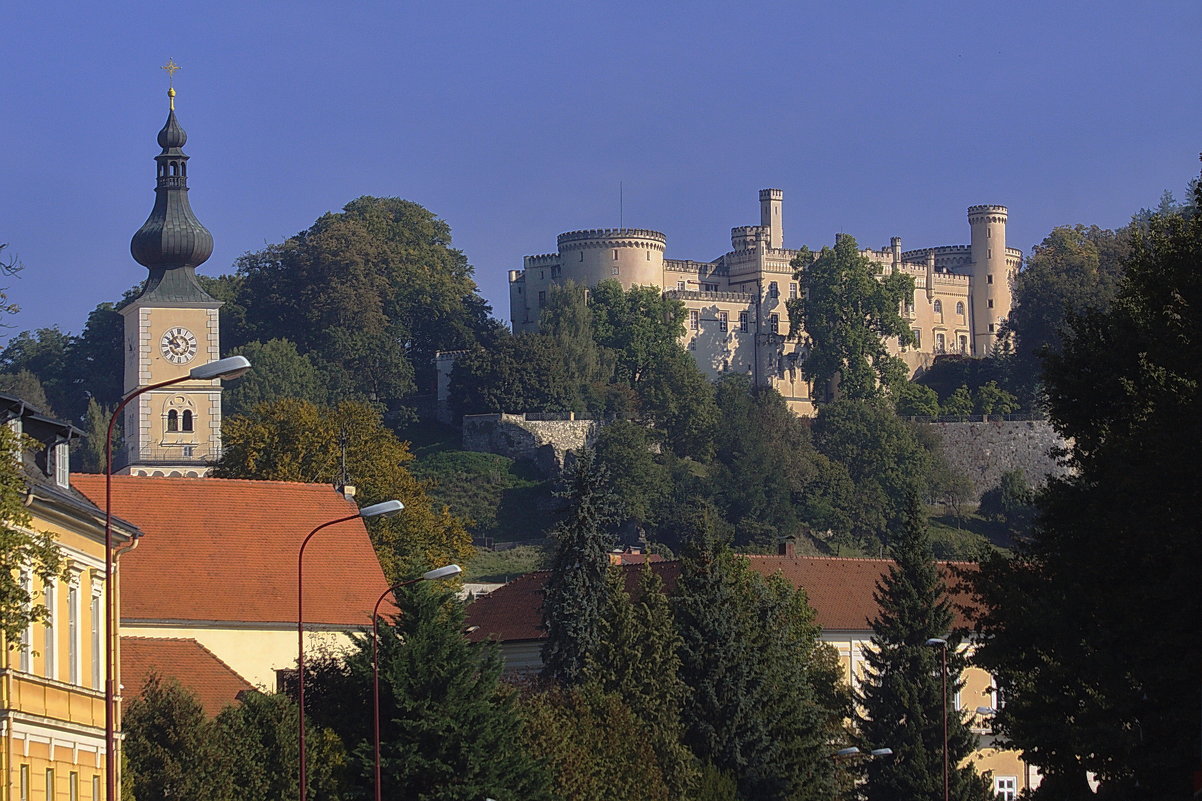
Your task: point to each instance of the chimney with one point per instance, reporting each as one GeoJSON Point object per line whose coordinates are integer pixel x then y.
{"type": "Point", "coordinates": [787, 548]}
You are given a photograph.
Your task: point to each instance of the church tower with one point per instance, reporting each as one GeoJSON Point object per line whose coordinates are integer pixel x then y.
{"type": "Point", "coordinates": [170, 328]}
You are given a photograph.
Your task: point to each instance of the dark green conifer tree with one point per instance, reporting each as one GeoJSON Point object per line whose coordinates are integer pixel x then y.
{"type": "Point", "coordinates": [901, 697]}
{"type": "Point", "coordinates": [575, 593]}
{"type": "Point", "coordinates": [638, 657]}
{"type": "Point", "coordinates": [762, 702]}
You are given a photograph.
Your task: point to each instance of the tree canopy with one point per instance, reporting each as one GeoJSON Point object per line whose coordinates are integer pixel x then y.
{"type": "Point", "coordinates": [849, 312]}
{"type": "Point", "coordinates": [1073, 625]}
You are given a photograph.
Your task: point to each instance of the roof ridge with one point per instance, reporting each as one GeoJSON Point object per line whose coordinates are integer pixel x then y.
{"type": "Point", "coordinates": [205, 479]}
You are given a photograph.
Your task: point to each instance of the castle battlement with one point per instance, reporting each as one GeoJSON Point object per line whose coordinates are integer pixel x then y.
{"type": "Point", "coordinates": [693, 294]}
{"type": "Point", "coordinates": [609, 237]}
{"type": "Point", "coordinates": [541, 260]}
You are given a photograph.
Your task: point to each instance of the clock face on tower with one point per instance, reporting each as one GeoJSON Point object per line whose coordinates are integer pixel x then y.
{"type": "Point", "coordinates": [178, 345]}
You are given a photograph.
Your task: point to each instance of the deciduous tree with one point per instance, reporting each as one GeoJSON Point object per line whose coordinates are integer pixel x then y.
{"type": "Point", "coordinates": [850, 312]}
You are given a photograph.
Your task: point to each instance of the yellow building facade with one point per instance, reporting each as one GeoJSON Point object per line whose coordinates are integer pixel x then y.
{"type": "Point", "coordinates": [52, 717]}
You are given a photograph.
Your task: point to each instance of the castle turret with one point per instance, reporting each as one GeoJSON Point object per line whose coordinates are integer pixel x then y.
{"type": "Point", "coordinates": [630, 256]}
{"type": "Point", "coordinates": [896, 247]}
{"type": "Point", "coordinates": [770, 207]}
{"type": "Point", "coordinates": [990, 275]}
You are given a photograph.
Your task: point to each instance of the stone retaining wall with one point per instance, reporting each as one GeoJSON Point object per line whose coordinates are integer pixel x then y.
{"type": "Point", "coordinates": [982, 451]}
{"type": "Point", "coordinates": [535, 438]}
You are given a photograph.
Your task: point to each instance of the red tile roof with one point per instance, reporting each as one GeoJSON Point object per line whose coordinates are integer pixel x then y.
{"type": "Point", "coordinates": [839, 590]}
{"type": "Point", "coordinates": [225, 550]}
{"type": "Point", "coordinates": [215, 683]}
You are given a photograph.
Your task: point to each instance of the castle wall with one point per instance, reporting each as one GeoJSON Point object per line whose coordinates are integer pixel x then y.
{"type": "Point", "coordinates": [546, 442]}
{"type": "Point", "coordinates": [983, 451]}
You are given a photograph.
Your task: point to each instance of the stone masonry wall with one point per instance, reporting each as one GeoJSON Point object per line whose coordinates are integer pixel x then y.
{"type": "Point", "coordinates": [546, 442]}
{"type": "Point", "coordinates": [982, 451]}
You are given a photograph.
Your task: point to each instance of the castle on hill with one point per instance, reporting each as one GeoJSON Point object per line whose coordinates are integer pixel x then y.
{"type": "Point", "coordinates": [736, 315]}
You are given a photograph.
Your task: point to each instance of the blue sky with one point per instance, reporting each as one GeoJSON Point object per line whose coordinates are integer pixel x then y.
{"type": "Point", "coordinates": [515, 121]}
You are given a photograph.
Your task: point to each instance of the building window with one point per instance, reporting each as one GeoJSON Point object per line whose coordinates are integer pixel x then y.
{"type": "Point", "coordinates": [694, 319]}
{"type": "Point", "coordinates": [173, 420]}
{"type": "Point", "coordinates": [991, 304]}
{"type": "Point", "coordinates": [615, 255]}
{"type": "Point", "coordinates": [963, 343]}
{"type": "Point", "coordinates": [792, 291]}
{"type": "Point", "coordinates": [542, 298]}
{"type": "Point", "coordinates": [24, 796]}
{"type": "Point", "coordinates": [917, 338]}
{"type": "Point", "coordinates": [48, 654]}
{"type": "Point", "coordinates": [960, 308]}
{"type": "Point", "coordinates": [95, 788]}
{"type": "Point", "coordinates": [991, 328]}
{"type": "Point", "coordinates": [989, 278]}
{"type": "Point", "coordinates": [680, 286]}
{"type": "Point", "coordinates": [773, 290]}
{"type": "Point", "coordinates": [187, 420]}
{"type": "Point", "coordinates": [73, 660]}
{"type": "Point", "coordinates": [709, 287]}
{"type": "Point", "coordinates": [189, 450]}
{"type": "Point", "coordinates": [990, 252]}
{"type": "Point", "coordinates": [613, 270]}
{"type": "Point", "coordinates": [62, 464]}
{"type": "Point", "coordinates": [49, 784]}
{"type": "Point", "coordinates": [1005, 788]}
{"type": "Point", "coordinates": [73, 786]}
{"type": "Point", "coordinates": [742, 321]}
{"type": "Point", "coordinates": [940, 343]}
{"type": "Point", "coordinates": [648, 255]}
{"type": "Point", "coordinates": [774, 323]}
{"type": "Point", "coordinates": [938, 307]}
{"type": "Point", "coordinates": [94, 613]}
{"type": "Point", "coordinates": [723, 321]}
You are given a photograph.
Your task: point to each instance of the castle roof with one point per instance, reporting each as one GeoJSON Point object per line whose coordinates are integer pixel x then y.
{"type": "Point", "coordinates": [841, 591]}
{"type": "Point", "coordinates": [215, 684]}
{"type": "Point", "coordinates": [224, 551]}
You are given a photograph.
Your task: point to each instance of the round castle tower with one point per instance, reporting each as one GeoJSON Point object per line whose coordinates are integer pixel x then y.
{"type": "Point", "coordinates": [990, 275]}
{"type": "Point", "coordinates": [630, 256]}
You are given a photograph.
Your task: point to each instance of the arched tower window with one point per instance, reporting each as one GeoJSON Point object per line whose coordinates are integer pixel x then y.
{"type": "Point", "coordinates": [187, 420]}
{"type": "Point", "coordinates": [960, 308]}
{"type": "Point", "coordinates": [938, 307]}
{"type": "Point", "coordinates": [173, 420]}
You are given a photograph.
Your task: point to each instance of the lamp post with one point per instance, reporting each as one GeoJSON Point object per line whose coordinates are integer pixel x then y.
{"type": "Point", "coordinates": [382, 509]}
{"type": "Point", "coordinates": [940, 643]}
{"type": "Point", "coordinates": [229, 367]}
{"type": "Point", "coordinates": [430, 575]}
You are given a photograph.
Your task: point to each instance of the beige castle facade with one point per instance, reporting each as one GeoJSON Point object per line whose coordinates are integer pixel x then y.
{"type": "Point", "coordinates": [736, 304]}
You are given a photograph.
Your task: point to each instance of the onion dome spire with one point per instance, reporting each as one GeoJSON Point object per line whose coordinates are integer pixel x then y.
{"type": "Point", "coordinates": [172, 242]}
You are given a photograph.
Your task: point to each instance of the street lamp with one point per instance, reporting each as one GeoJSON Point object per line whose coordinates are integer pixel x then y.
{"type": "Point", "coordinates": [939, 642]}
{"type": "Point", "coordinates": [383, 509]}
{"type": "Point", "coordinates": [229, 367]}
{"type": "Point", "coordinates": [430, 575]}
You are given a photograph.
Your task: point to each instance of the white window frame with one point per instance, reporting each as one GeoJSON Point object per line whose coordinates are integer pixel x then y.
{"type": "Point", "coordinates": [694, 320]}
{"type": "Point", "coordinates": [49, 632]}
{"type": "Point", "coordinates": [95, 613]}
{"type": "Point", "coordinates": [74, 632]}
{"type": "Point", "coordinates": [1005, 788]}
{"type": "Point", "coordinates": [723, 321]}
{"type": "Point", "coordinates": [27, 634]}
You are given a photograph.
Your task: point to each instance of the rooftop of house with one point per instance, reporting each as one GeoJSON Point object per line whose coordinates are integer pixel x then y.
{"type": "Point", "coordinates": [841, 591]}
{"type": "Point", "coordinates": [214, 683]}
{"type": "Point", "coordinates": [225, 550]}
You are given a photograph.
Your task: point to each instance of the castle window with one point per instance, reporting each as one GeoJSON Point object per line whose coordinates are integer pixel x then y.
{"type": "Point", "coordinates": [694, 319]}
{"type": "Point", "coordinates": [774, 323]}
{"type": "Point", "coordinates": [542, 299]}
{"type": "Point", "coordinates": [742, 321]}
{"type": "Point", "coordinates": [991, 328]}
{"type": "Point", "coordinates": [938, 307]}
{"type": "Point", "coordinates": [773, 290]}
{"type": "Point", "coordinates": [173, 418]}
{"type": "Point", "coordinates": [990, 252]}
{"type": "Point", "coordinates": [991, 304]}
{"type": "Point", "coordinates": [581, 256]}
{"type": "Point", "coordinates": [940, 343]}
{"type": "Point", "coordinates": [917, 338]}
{"type": "Point", "coordinates": [615, 255]}
{"type": "Point", "coordinates": [963, 344]}
{"type": "Point", "coordinates": [989, 278]}
{"type": "Point", "coordinates": [187, 426]}
{"type": "Point", "coordinates": [648, 255]}
{"type": "Point", "coordinates": [614, 270]}
{"type": "Point", "coordinates": [723, 321]}
{"type": "Point", "coordinates": [792, 291]}
{"type": "Point", "coordinates": [960, 308]}
{"type": "Point", "coordinates": [189, 451]}
{"type": "Point", "coordinates": [989, 233]}
{"type": "Point", "coordinates": [680, 286]}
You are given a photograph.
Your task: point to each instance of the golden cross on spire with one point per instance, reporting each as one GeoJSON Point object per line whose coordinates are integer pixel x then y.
{"type": "Point", "coordinates": [171, 68]}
